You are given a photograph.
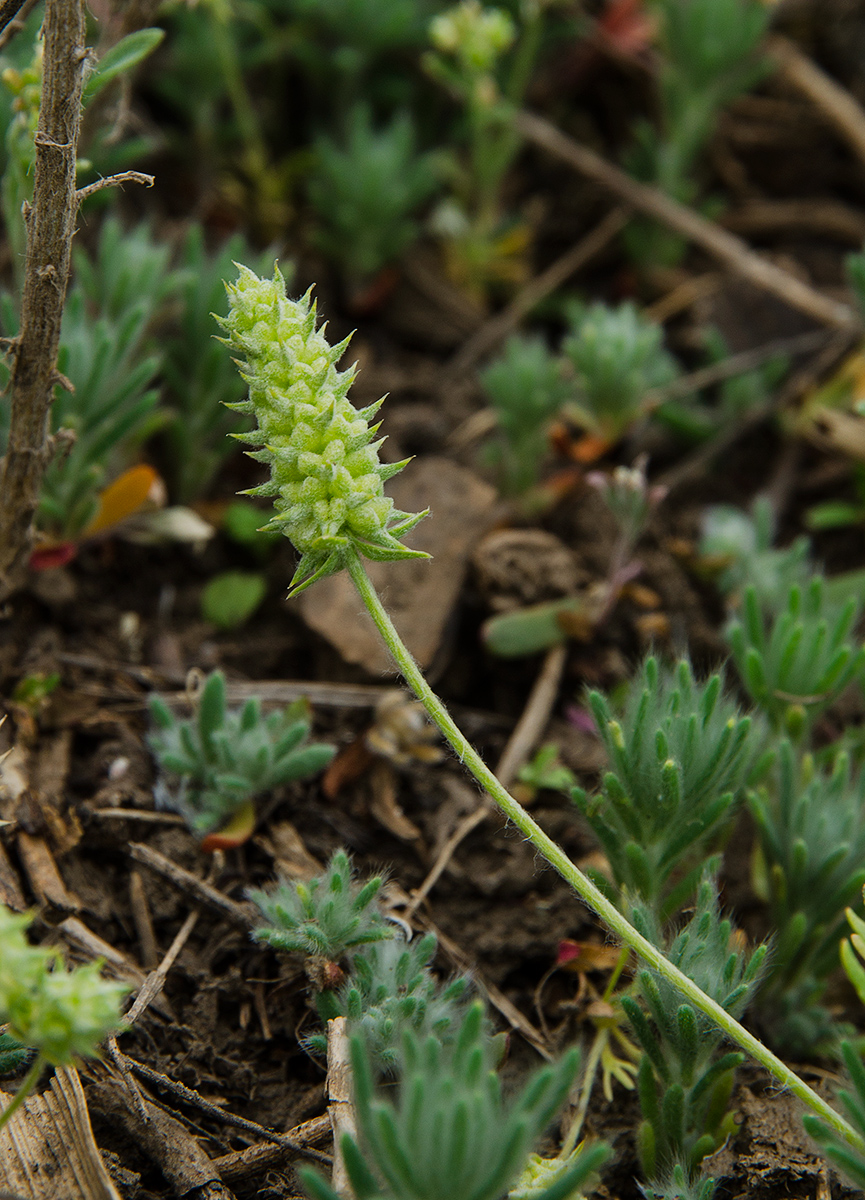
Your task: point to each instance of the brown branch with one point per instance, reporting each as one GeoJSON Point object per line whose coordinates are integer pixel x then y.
{"type": "Point", "coordinates": [13, 18]}
{"type": "Point", "coordinates": [50, 226]}
{"type": "Point", "coordinates": [243, 915]}
{"type": "Point", "coordinates": [497, 328]}
{"type": "Point", "coordinates": [834, 101]}
{"type": "Point", "coordinates": [115, 181]}
{"type": "Point", "coordinates": [728, 249]}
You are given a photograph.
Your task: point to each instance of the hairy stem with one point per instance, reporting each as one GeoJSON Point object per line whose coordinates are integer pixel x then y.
{"type": "Point", "coordinates": [581, 884]}
{"type": "Point", "coordinates": [50, 225]}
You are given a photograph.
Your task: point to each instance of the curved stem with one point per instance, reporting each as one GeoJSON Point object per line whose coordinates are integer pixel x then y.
{"type": "Point", "coordinates": [581, 884]}
{"type": "Point", "coordinates": [27, 1085]}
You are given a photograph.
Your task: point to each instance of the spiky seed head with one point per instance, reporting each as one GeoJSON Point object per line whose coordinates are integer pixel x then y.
{"type": "Point", "coordinates": [326, 479]}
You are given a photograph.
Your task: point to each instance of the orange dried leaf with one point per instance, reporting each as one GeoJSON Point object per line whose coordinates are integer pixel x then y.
{"type": "Point", "coordinates": [123, 498]}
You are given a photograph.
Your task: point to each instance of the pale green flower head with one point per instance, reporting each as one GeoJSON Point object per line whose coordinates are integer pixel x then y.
{"type": "Point", "coordinates": [326, 479]}
{"type": "Point", "coordinates": [62, 1014]}
{"type": "Point", "coordinates": [476, 36]}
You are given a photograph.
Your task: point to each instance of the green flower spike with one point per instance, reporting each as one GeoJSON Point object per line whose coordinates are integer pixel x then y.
{"type": "Point", "coordinates": [326, 478]}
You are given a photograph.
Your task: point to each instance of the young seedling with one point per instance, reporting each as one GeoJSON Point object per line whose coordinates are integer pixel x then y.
{"type": "Point", "coordinates": [738, 549]}
{"type": "Point", "coordinates": [679, 756]}
{"type": "Point", "coordinates": [617, 358]}
{"type": "Point", "coordinates": [684, 1086]}
{"type": "Point", "coordinates": [220, 761]}
{"type": "Point", "coordinates": [526, 388]}
{"type": "Point", "coordinates": [367, 190]}
{"type": "Point", "coordinates": [736, 397]}
{"type": "Point", "coordinates": [811, 828]}
{"type": "Point", "coordinates": [450, 1133]}
{"type": "Point", "coordinates": [485, 60]}
{"type": "Point", "coordinates": [327, 918]}
{"type": "Point", "coordinates": [709, 55]}
{"type": "Point", "coordinates": [388, 989]}
{"type": "Point", "coordinates": [850, 1159]}
{"type": "Point", "coordinates": [327, 484]}
{"type": "Point", "coordinates": [201, 383]}
{"type": "Point", "coordinates": [62, 1015]}
{"type": "Point", "coordinates": [796, 664]}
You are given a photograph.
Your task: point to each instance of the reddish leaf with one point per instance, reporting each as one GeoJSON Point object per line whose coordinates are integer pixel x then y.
{"type": "Point", "coordinates": [627, 27]}
{"type": "Point", "coordinates": [52, 554]}
{"type": "Point", "coordinates": [350, 764]}
{"type": "Point", "coordinates": [238, 830]}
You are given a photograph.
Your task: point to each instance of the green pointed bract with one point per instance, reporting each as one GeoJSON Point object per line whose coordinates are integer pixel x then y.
{"type": "Point", "coordinates": [326, 479]}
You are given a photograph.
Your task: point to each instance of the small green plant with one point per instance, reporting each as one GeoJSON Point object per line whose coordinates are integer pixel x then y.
{"type": "Point", "coordinates": [678, 1186]}
{"type": "Point", "coordinates": [62, 1015]}
{"type": "Point", "coordinates": [796, 663]}
{"type": "Point", "coordinates": [325, 918]}
{"type": "Point", "coordinates": [220, 760]}
{"type": "Point", "coordinates": [388, 989]}
{"type": "Point", "coordinates": [811, 829]}
{"type": "Point", "coordinates": [739, 549]}
{"type": "Point", "coordinates": [108, 355]}
{"type": "Point", "coordinates": [683, 1084]}
{"type": "Point", "coordinates": [709, 54]}
{"type": "Point", "coordinates": [201, 381]}
{"type": "Point", "coordinates": [617, 357]}
{"type": "Point", "coordinates": [840, 514]}
{"type": "Point", "coordinates": [485, 60]}
{"type": "Point", "coordinates": [679, 756]}
{"type": "Point", "coordinates": [852, 950]}
{"type": "Point", "coordinates": [450, 1133]}
{"type": "Point", "coordinates": [630, 498]}
{"type": "Point", "coordinates": [367, 190]}
{"type": "Point", "coordinates": [695, 420]}
{"type": "Point", "coordinates": [230, 598]}
{"type": "Point", "coordinates": [546, 770]}
{"type": "Point", "coordinates": [849, 1159]}
{"type": "Point", "coordinates": [526, 388]}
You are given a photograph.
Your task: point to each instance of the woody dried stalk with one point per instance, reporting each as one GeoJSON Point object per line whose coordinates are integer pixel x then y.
{"type": "Point", "coordinates": [50, 225]}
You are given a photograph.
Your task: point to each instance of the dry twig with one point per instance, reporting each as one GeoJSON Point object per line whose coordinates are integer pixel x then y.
{"type": "Point", "coordinates": [710, 237]}
{"type": "Point", "coordinates": [834, 101]}
{"type": "Point", "coordinates": [239, 914]}
{"type": "Point", "coordinates": [496, 329]}
{"type": "Point", "coordinates": [340, 1104]}
{"type": "Point", "coordinates": [50, 226]}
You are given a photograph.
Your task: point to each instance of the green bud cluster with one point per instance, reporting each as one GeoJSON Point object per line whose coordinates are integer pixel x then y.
{"type": "Point", "coordinates": [475, 36]}
{"type": "Point", "coordinates": [61, 1014]}
{"type": "Point", "coordinates": [326, 478]}
{"type": "Point", "coordinates": [324, 918]}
